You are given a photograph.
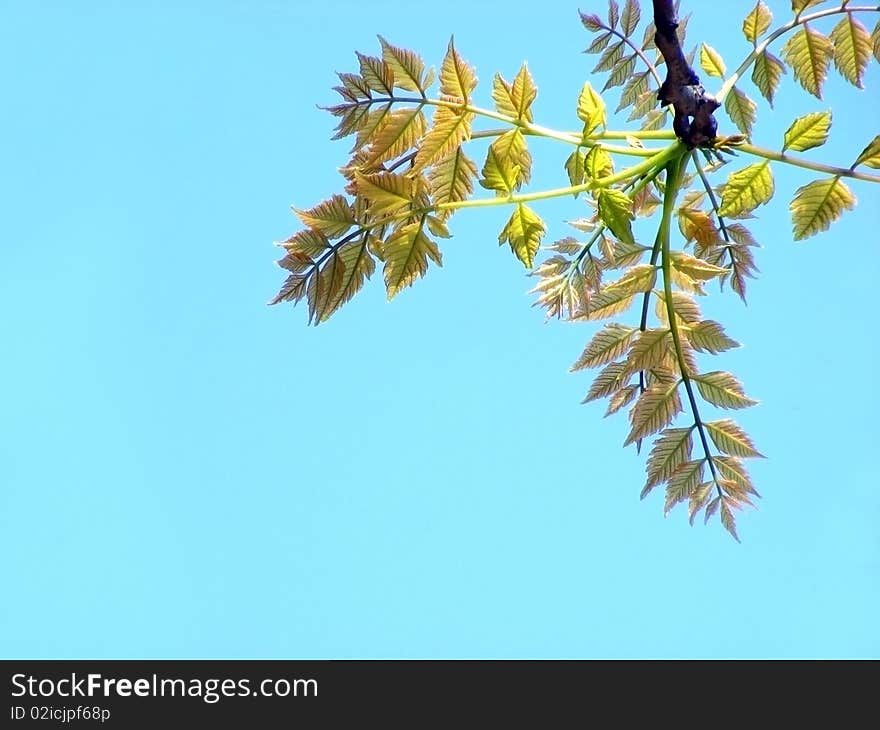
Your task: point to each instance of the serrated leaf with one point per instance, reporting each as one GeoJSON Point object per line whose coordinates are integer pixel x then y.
{"type": "Point", "coordinates": [610, 379]}
{"type": "Point", "coordinates": [591, 109]}
{"type": "Point", "coordinates": [746, 189]}
{"type": "Point", "coordinates": [649, 349]}
{"type": "Point", "coordinates": [684, 306]}
{"type": "Point", "coordinates": [358, 266]}
{"type": "Point", "coordinates": [698, 225]}
{"type": "Point", "coordinates": [731, 439]}
{"type": "Point", "coordinates": [766, 74]}
{"type": "Point", "coordinates": [370, 123]}
{"type": "Point", "coordinates": [635, 87]}
{"type": "Point", "coordinates": [451, 179]}
{"type": "Point", "coordinates": [613, 13]}
{"type": "Point", "coordinates": [308, 244]}
{"type": "Point", "coordinates": [636, 280]}
{"type": "Point", "coordinates": [376, 74]}
{"type": "Point", "coordinates": [607, 344]}
{"type": "Point", "coordinates": [875, 40]}
{"type": "Point", "coordinates": [610, 57]}
{"type": "Point", "coordinates": [818, 204]}
{"type": "Point", "coordinates": [808, 53]}
{"type": "Point", "coordinates": [757, 22]}
{"type": "Point", "coordinates": [615, 210]}
{"type": "Point", "coordinates": [621, 72]}
{"type": "Point", "coordinates": [742, 110]}
{"type": "Point", "coordinates": [723, 390]}
{"type": "Point", "coordinates": [515, 99]}
{"type": "Point", "coordinates": [852, 49]}
{"type": "Point", "coordinates": [683, 483]}
{"type": "Point", "coordinates": [727, 518]}
{"type": "Point", "coordinates": [599, 43]}
{"type": "Point", "coordinates": [654, 119]}
{"type": "Point", "coordinates": [671, 449]}
{"type": "Point", "coordinates": [387, 192]}
{"type": "Point", "coordinates": [592, 22]}
{"type": "Point", "coordinates": [732, 469]}
{"type": "Point", "coordinates": [798, 6]}
{"type": "Point", "coordinates": [698, 499]}
{"type": "Point", "coordinates": [512, 146]}
{"type": "Point", "coordinates": [653, 411]}
{"type": "Point", "coordinates": [808, 131]}
{"type": "Point", "coordinates": [406, 253]}
{"type": "Point", "coordinates": [709, 336]}
{"type": "Point", "coordinates": [401, 131]}
{"type": "Point", "coordinates": [457, 78]}
{"type": "Point", "coordinates": [499, 172]}
{"type": "Point", "coordinates": [870, 156]}
{"type": "Point", "coordinates": [332, 217]}
{"type": "Point", "coordinates": [523, 231]}
{"type": "Point", "coordinates": [598, 164]}
{"type": "Point", "coordinates": [574, 166]}
{"type": "Point", "coordinates": [694, 267]}
{"type": "Point", "coordinates": [407, 67]}
{"type": "Point", "coordinates": [449, 129]}
{"type": "Point", "coordinates": [711, 61]}
{"type": "Point", "coordinates": [630, 17]}
{"type": "Point", "coordinates": [607, 303]}
{"type": "Point", "coordinates": [324, 286]}
{"type": "Point", "coordinates": [622, 398]}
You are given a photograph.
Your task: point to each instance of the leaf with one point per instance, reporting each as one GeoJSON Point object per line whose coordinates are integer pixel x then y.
{"type": "Point", "coordinates": [407, 67]}
{"type": "Point", "coordinates": [766, 74]}
{"type": "Point", "coordinates": [654, 410]}
{"type": "Point", "coordinates": [746, 189]}
{"type": "Point", "coordinates": [600, 43]}
{"type": "Point", "coordinates": [376, 74]}
{"type": "Point", "coordinates": [607, 303]}
{"type": "Point", "coordinates": [698, 499]}
{"type": "Point", "coordinates": [591, 109]}
{"type": "Point", "coordinates": [592, 22]}
{"type": "Point", "coordinates": [709, 336]}
{"type": "Point", "coordinates": [607, 344]}
{"type": "Point", "coordinates": [808, 53]}
{"type": "Point", "coordinates": [638, 279]}
{"type": "Point", "coordinates": [757, 22]}
{"type": "Point", "coordinates": [515, 99]}
{"type": "Point", "coordinates": [695, 268]}
{"type": "Point", "coordinates": [523, 231]}
{"type": "Point", "coordinates": [636, 86]}
{"type": "Point", "coordinates": [308, 244]}
{"type": "Point", "coordinates": [818, 204]}
{"type": "Point", "coordinates": [457, 78]}
{"type": "Point", "coordinates": [870, 156]}
{"type": "Point", "coordinates": [732, 469]}
{"type": "Point", "coordinates": [332, 217]}
{"type": "Point", "coordinates": [598, 164]}
{"type": "Point", "coordinates": [683, 483]}
{"type": "Point", "coordinates": [723, 390]}
{"type": "Point", "coordinates": [875, 39]}
{"type": "Point", "coordinates": [621, 72]}
{"type": "Point", "coordinates": [727, 518]}
{"type": "Point", "coordinates": [406, 253]}
{"type": "Point", "coordinates": [622, 398]}
{"type": "Point", "coordinates": [451, 179]}
{"type": "Point", "coordinates": [852, 49]}
{"type": "Point", "coordinates": [808, 131]}
{"type": "Point", "coordinates": [512, 146]}
{"type": "Point", "coordinates": [324, 286]}
{"type": "Point", "coordinates": [615, 210]}
{"type": "Point", "coordinates": [609, 380]}
{"type": "Point", "coordinates": [798, 6]}
{"type": "Point", "coordinates": [449, 129]}
{"type": "Point", "coordinates": [741, 110]}
{"type": "Point", "coordinates": [711, 61]}
{"type": "Point", "coordinates": [629, 20]}
{"type": "Point", "coordinates": [574, 166]}
{"type": "Point", "coordinates": [698, 225]}
{"type": "Point", "coordinates": [401, 131]}
{"type": "Point", "coordinates": [613, 13]}
{"type": "Point", "coordinates": [671, 449]}
{"type": "Point", "coordinates": [649, 350]}
{"type": "Point", "coordinates": [499, 172]}
{"type": "Point", "coordinates": [387, 192]}
{"type": "Point", "coordinates": [731, 439]}
{"type": "Point", "coordinates": [358, 266]}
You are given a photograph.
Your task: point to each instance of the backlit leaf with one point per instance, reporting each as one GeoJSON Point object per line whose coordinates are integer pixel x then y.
{"type": "Point", "coordinates": [875, 40]}
{"type": "Point", "coordinates": [694, 267]}
{"type": "Point", "coordinates": [727, 518]}
{"type": "Point", "coordinates": [767, 73]}
{"type": "Point", "coordinates": [499, 172]}
{"type": "Point", "coordinates": [407, 67]}
{"type": "Point", "coordinates": [649, 349]}
{"type": "Point", "coordinates": [870, 156]}
{"type": "Point", "coordinates": [457, 78]}
{"type": "Point", "coordinates": [400, 132]}
{"type": "Point", "coordinates": [607, 344]}
{"type": "Point", "coordinates": [615, 210]}
{"type": "Point", "coordinates": [591, 109]}
{"type": "Point", "coordinates": [709, 336]}
{"type": "Point", "coordinates": [671, 449]}
{"type": "Point", "coordinates": [723, 390]}
{"type": "Point", "coordinates": [621, 399]}
{"type": "Point", "coordinates": [808, 53]}
{"type": "Point", "coordinates": [798, 6]}
{"type": "Point", "coordinates": [654, 410]}
{"type": "Point", "coordinates": [515, 99]}
{"type": "Point", "coordinates": [387, 192]}
{"type": "Point", "coordinates": [511, 146]}
{"type": "Point", "coordinates": [757, 22]}
{"type": "Point", "coordinates": [376, 74]}
{"type": "Point", "coordinates": [852, 48]}
{"type": "Point", "coordinates": [808, 131]}
{"type": "Point", "coordinates": [698, 225]}
{"type": "Point", "coordinates": [630, 17]}
{"type": "Point", "coordinates": [358, 266]}
{"type": "Point", "coordinates": [683, 483]}
{"type": "Point", "coordinates": [610, 379]}
{"type": "Point", "coordinates": [613, 13]}
{"type": "Point", "coordinates": [746, 189]}
{"type": "Point", "coordinates": [451, 179]}
{"type": "Point", "coordinates": [711, 61]}
{"type": "Point", "coordinates": [742, 110]}
{"type": "Point", "coordinates": [592, 22]}
{"type": "Point", "coordinates": [574, 166]}
{"type": "Point", "coordinates": [818, 204]}
{"type": "Point", "coordinates": [332, 217]}
{"type": "Point", "coordinates": [406, 253]}
{"type": "Point", "coordinates": [731, 439]}
{"type": "Point", "coordinates": [523, 231]}
{"type": "Point", "coordinates": [449, 129]}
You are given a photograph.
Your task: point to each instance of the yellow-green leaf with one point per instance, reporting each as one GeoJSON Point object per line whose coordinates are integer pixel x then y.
{"type": "Point", "coordinates": [387, 192]}
{"type": "Point", "coordinates": [709, 336]}
{"type": "Point", "coordinates": [457, 78]}
{"type": "Point", "coordinates": [683, 483]}
{"type": "Point", "coordinates": [622, 398]}
{"type": "Point", "coordinates": [852, 48]}
{"type": "Point", "coordinates": [512, 146]}
{"type": "Point", "coordinates": [598, 164]}
{"type": "Point", "coordinates": [711, 61]}
{"type": "Point", "coordinates": [515, 99]}
{"type": "Point", "coordinates": [870, 156]}
{"type": "Point", "coordinates": [875, 40]}
{"type": "Point", "coordinates": [671, 449]}
{"type": "Point", "coordinates": [630, 17]}
{"type": "Point", "coordinates": [731, 439]}
{"type": "Point", "coordinates": [746, 189]}
{"type": "Point", "coordinates": [723, 390]}
{"type": "Point", "coordinates": [574, 166]}
{"type": "Point", "coordinates": [808, 53]}
{"type": "Point", "coordinates": [798, 6]}
{"type": "Point", "coordinates": [818, 204]}
{"type": "Point", "coordinates": [499, 172]}
{"type": "Point", "coordinates": [324, 286]}
{"type": "Point", "coordinates": [358, 266]}
{"type": "Point", "coordinates": [727, 518]}
{"type": "Point", "coordinates": [615, 210]}
{"type": "Point", "coordinates": [695, 268]}
{"type": "Point", "coordinates": [591, 109]}
{"type": "Point", "coordinates": [523, 231]}
{"type": "Point", "coordinates": [757, 22]}
{"type": "Point", "coordinates": [376, 74]}
{"type": "Point", "coordinates": [451, 179]}
{"type": "Point", "coordinates": [654, 410]}
{"type": "Point", "coordinates": [607, 303]}
{"type": "Point", "coordinates": [610, 379]}
{"type": "Point", "coordinates": [407, 67]}
{"type": "Point", "coordinates": [808, 131]}
{"type": "Point", "coordinates": [698, 225]}
{"type": "Point", "coordinates": [649, 349]}
{"type": "Point", "coordinates": [406, 253]}
{"type": "Point", "coordinates": [449, 129]}
{"type": "Point", "coordinates": [636, 280]}
{"type": "Point", "coordinates": [732, 469]}
{"type": "Point", "coordinates": [332, 217]}
{"type": "Point", "coordinates": [607, 344]}
{"type": "Point", "coordinates": [401, 131]}
{"type": "Point", "coordinates": [767, 73]}
{"type": "Point", "coordinates": [741, 110]}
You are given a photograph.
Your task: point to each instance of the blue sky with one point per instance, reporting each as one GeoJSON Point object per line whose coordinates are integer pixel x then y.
{"type": "Point", "coordinates": [186, 472]}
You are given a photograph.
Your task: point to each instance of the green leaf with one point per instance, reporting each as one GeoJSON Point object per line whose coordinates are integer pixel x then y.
{"type": "Point", "coordinates": [515, 99]}
{"type": "Point", "coordinates": [649, 350]}
{"type": "Point", "coordinates": [629, 20]}
{"type": "Point", "coordinates": [731, 439]}
{"type": "Point", "coordinates": [808, 53]}
{"type": "Point", "coordinates": [870, 156]}
{"type": "Point", "coordinates": [671, 449]}
{"type": "Point", "coordinates": [598, 164]}
{"type": "Point", "coordinates": [401, 131]}
{"type": "Point", "coordinates": [709, 336]}
{"type": "Point", "coordinates": [574, 166]}
{"type": "Point", "coordinates": [407, 67]}
{"type": "Point", "coordinates": [808, 131]}
{"type": "Point", "coordinates": [615, 210]}
{"type": "Point", "coordinates": [741, 110]}
{"type": "Point", "coordinates": [457, 78]}
{"type": "Point", "coordinates": [387, 192]}
{"type": "Point", "coordinates": [711, 61]}
{"type": "Point", "coordinates": [406, 253]}
{"type": "Point", "coordinates": [332, 217]}
{"type": "Point", "coordinates": [653, 411]}
{"type": "Point", "coordinates": [746, 189]}
{"type": "Point", "coordinates": [852, 49]}
{"type": "Point", "coordinates": [607, 344]}
{"type": "Point", "coordinates": [818, 204]}
{"type": "Point", "coordinates": [358, 266]}
{"type": "Point", "coordinates": [798, 6]}
{"type": "Point", "coordinates": [766, 74]}
{"type": "Point", "coordinates": [451, 179]}
{"type": "Point", "coordinates": [500, 172]}
{"type": "Point", "coordinates": [591, 109]}
{"type": "Point", "coordinates": [523, 231]}
{"type": "Point", "coordinates": [683, 483]}
{"type": "Point", "coordinates": [757, 22]}
{"type": "Point", "coordinates": [694, 267]}
{"type": "Point", "coordinates": [512, 146]}
{"type": "Point", "coordinates": [376, 74]}
{"type": "Point", "coordinates": [449, 129]}
{"type": "Point", "coordinates": [723, 390]}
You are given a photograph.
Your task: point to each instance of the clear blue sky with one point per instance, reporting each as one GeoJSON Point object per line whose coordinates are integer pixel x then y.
{"type": "Point", "coordinates": [186, 472]}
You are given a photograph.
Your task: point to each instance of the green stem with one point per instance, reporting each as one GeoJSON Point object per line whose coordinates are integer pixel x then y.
{"type": "Point", "coordinates": [806, 164]}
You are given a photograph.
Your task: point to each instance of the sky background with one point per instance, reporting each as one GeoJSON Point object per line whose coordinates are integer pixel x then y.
{"type": "Point", "coordinates": [186, 472]}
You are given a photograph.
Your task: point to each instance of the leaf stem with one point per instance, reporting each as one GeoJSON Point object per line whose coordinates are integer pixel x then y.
{"type": "Point", "coordinates": [806, 164]}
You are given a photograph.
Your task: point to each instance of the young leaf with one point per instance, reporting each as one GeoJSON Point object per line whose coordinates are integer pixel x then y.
{"type": "Point", "coordinates": [649, 350]}
{"type": "Point", "coordinates": [852, 48]}
{"type": "Point", "coordinates": [711, 61]}
{"type": "Point", "coordinates": [332, 217]}
{"type": "Point", "coordinates": [870, 156]}
{"type": "Point", "coordinates": [654, 410]}
{"type": "Point", "coordinates": [635, 281]}
{"type": "Point", "coordinates": [671, 449]}
{"type": "Point", "coordinates": [324, 287]}
{"type": "Point", "coordinates": [613, 13]}
{"type": "Point", "coordinates": [607, 344]}
{"type": "Point", "coordinates": [732, 469]}
{"type": "Point", "coordinates": [723, 390]}
{"type": "Point", "coordinates": [731, 439]}
{"type": "Point", "coordinates": [406, 253]}
{"type": "Point", "coordinates": [387, 192]}
{"type": "Point", "coordinates": [449, 130]}
{"type": "Point", "coordinates": [499, 172]}
{"type": "Point", "coordinates": [818, 204]}
{"type": "Point", "coordinates": [746, 189]}
{"type": "Point", "coordinates": [698, 225]}
{"type": "Point", "coordinates": [457, 78]}
{"type": "Point", "coordinates": [407, 67]}
{"type": "Point", "coordinates": [598, 163]}
{"type": "Point", "coordinates": [808, 53]}
{"type": "Point", "coordinates": [694, 267]}
{"type": "Point", "coordinates": [875, 40]}
{"type": "Point", "coordinates": [629, 20]}
{"type": "Point", "coordinates": [741, 110]}
{"type": "Point", "coordinates": [511, 146]}
{"type": "Point", "coordinates": [451, 179]}
{"type": "Point", "coordinates": [622, 398]}
{"type": "Point", "coordinates": [515, 99]}
{"type": "Point", "coordinates": [591, 109]}
{"type": "Point", "coordinates": [766, 74]}
{"type": "Point", "coordinates": [798, 6]}
{"type": "Point", "coordinates": [610, 379]}
{"type": "Point", "coordinates": [683, 483]}
{"type": "Point", "coordinates": [523, 231]}
{"type": "Point", "coordinates": [757, 22]}
{"type": "Point", "coordinates": [592, 22]}
{"type": "Point", "coordinates": [401, 131]}
{"type": "Point", "coordinates": [574, 166]}
{"type": "Point", "coordinates": [615, 210]}
{"type": "Point", "coordinates": [808, 131]}
{"type": "Point", "coordinates": [709, 336]}
{"type": "Point", "coordinates": [358, 265]}
{"type": "Point", "coordinates": [727, 518]}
